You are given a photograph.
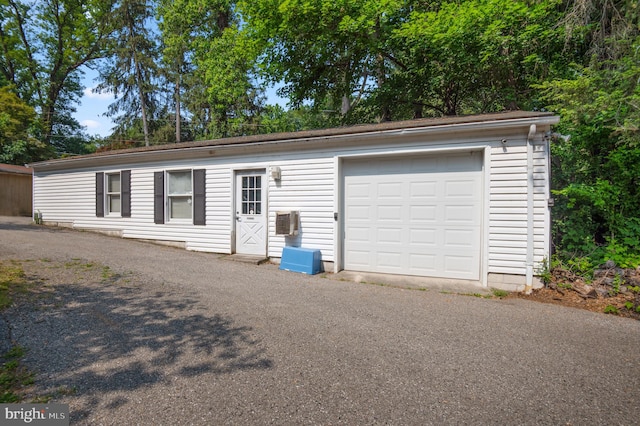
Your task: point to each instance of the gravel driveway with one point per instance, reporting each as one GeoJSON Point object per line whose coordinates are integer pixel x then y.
{"type": "Point", "coordinates": [127, 332]}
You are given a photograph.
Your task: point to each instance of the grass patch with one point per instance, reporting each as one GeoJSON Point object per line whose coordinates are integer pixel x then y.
{"type": "Point", "coordinates": [12, 282]}
{"type": "Point", "coordinates": [499, 293]}
{"type": "Point", "coordinates": [13, 376]}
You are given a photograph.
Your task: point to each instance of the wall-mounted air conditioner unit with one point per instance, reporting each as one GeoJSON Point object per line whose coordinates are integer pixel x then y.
{"type": "Point", "coordinates": [287, 223]}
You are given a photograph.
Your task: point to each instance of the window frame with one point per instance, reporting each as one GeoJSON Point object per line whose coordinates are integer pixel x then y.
{"type": "Point", "coordinates": [186, 195]}
{"type": "Point", "coordinates": [103, 195]}
{"type": "Point", "coordinates": [109, 195]}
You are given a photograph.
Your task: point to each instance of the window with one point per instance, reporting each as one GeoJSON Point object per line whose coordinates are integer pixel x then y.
{"type": "Point", "coordinates": [113, 193]}
{"type": "Point", "coordinates": [179, 195]}
{"type": "Point", "coordinates": [183, 197]}
{"type": "Point", "coordinates": [251, 193]}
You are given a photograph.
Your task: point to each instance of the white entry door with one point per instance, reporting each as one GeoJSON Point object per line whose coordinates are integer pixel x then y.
{"type": "Point", "coordinates": [251, 215]}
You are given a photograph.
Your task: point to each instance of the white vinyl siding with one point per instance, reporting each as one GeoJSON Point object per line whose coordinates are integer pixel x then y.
{"type": "Point", "coordinates": [508, 208]}
{"type": "Point", "coordinates": [310, 184]}
{"type": "Point", "coordinates": [307, 186]}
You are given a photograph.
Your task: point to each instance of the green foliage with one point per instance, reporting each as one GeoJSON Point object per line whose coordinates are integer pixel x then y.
{"type": "Point", "coordinates": [499, 293]}
{"type": "Point", "coordinates": [597, 173]}
{"type": "Point", "coordinates": [12, 282]}
{"type": "Point", "coordinates": [478, 55]}
{"type": "Point", "coordinates": [17, 124]}
{"type": "Point", "coordinates": [610, 309]}
{"type": "Point", "coordinates": [13, 376]}
{"type": "Point", "coordinates": [44, 45]}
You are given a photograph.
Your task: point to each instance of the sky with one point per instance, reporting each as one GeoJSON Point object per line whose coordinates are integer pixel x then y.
{"type": "Point", "coordinates": [90, 112]}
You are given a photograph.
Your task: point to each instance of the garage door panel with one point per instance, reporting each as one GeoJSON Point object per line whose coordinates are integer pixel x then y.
{"type": "Point", "coordinates": [424, 263]}
{"type": "Point", "coordinates": [426, 190]}
{"type": "Point", "coordinates": [414, 216]}
{"type": "Point", "coordinates": [423, 237]}
{"type": "Point", "coordinates": [360, 235]}
{"type": "Point", "coordinates": [389, 260]}
{"type": "Point", "coordinates": [359, 213]}
{"type": "Point", "coordinates": [392, 190]}
{"type": "Point", "coordinates": [422, 214]}
{"type": "Point", "coordinates": [460, 188]}
{"type": "Point", "coordinates": [460, 238]}
{"type": "Point", "coordinates": [457, 264]}
{"type": "Point", "coordinates": [460, 214]}
{"type": "Point", "coordinates": [389, 213]}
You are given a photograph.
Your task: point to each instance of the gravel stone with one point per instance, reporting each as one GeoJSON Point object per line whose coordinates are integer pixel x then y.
{"type": "Point", "coordinates": [131, 333]}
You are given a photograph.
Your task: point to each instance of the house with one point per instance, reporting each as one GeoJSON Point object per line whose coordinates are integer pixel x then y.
{"type": "Point", "coordinates": [462, 198]}
{"type": "Point", "coordinates": [15, 190]}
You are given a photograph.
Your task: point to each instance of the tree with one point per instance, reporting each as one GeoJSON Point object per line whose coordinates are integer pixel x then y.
{"type": "Point", "coordinates": [18, 122]}
{"type": "Point", "coordinates": [596, 174]}
{"type": "Point", "coordinates": [132, 70]}
{"type": "Point", "coordinates": [44, 45]}
{"type": "Point", "coordinates": [475, 56]}
{"type": "Point", "coordinates": [326, 53]}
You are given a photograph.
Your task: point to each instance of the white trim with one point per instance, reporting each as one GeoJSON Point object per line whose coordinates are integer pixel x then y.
{"type": "Point", "coordinates": [530, 208]}
{"type": "Point", "coordinates": [264, 208]}
{"type": "Point", "coordinates": [484, 258]}
{"type": "Point", "coordinates": [338, 225]}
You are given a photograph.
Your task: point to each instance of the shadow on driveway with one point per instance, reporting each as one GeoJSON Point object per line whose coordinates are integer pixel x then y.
{"type": "Point", "coordinates": [96, 336]}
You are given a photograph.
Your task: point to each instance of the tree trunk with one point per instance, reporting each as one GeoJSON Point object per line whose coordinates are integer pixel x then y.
{"type": "Point", "coordinates": [178, 119]}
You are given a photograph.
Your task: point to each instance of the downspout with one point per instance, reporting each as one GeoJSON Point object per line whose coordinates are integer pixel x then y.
{"type": "Point", "coordinates": [530, 233]}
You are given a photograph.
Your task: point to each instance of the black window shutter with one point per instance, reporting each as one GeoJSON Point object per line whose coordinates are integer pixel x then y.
{"type": "Point", "coordinates": [199, 197]}
{"type": "Point", "coordinates": [125, 181]}
{"type": "Point", "coordinates": [100, 194]}
{"type": "Point", "coordinates": [158, 197]}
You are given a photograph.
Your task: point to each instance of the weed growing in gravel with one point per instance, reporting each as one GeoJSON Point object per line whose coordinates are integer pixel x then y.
{"type": "Point", "coordinates": [12, 282]}
{"type": "Point", "coordinates": [107, 273]}
{"type": "Point", "coordinates": [499, 293]}
{"type": "Point", "coordinates": [610, 309]}
{"type": "Point", "coordinates": [13, 376]}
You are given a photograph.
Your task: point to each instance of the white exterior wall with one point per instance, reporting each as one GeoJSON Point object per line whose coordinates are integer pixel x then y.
{"type": "Point", "coordinates": [508, 212]}
{"type": "Point", "coordinates": [307, 186]}
{"type": "Point", "coordinates": [310, 184]}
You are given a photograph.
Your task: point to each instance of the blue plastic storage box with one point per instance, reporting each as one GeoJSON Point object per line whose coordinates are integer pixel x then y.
{"type": "Point", "coordinates": [298, 259]}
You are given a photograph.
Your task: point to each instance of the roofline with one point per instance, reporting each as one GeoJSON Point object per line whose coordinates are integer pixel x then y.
{"type": "Point", "coordinates": [15, 169]}
{"type": "Point", "coordinates": [229, 146]}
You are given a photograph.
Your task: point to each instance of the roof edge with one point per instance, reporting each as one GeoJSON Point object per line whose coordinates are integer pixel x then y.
{"type": "Point", "coordinates": [192, 149]}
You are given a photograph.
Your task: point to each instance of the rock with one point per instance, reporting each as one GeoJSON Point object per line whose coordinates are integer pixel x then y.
{"type": "Point", "coordinates": [610, 264]}
{"type": "Point", "coordinates": [585, 290]}
{"type": "Point", "coordinates": [602, 292]}
{"type": "Point", "coordinates": [607, 281]}
{"type": "Point", "coordinates": [599, 273]}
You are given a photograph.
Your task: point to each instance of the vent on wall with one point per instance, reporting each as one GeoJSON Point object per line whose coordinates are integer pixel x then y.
{"type": "Point", "coordinates": [287, 223]}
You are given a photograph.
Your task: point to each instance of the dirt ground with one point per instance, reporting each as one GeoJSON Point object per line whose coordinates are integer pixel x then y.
{"type": "Point", "coordinates": [569, 290]}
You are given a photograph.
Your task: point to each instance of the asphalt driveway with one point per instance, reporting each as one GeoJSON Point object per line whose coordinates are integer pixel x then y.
{"type": "Point", "coordinates": [136, 333]}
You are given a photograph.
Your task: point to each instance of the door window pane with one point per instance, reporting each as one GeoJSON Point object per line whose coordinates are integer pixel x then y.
{"type": "Point", "coordinates": [251, 195]}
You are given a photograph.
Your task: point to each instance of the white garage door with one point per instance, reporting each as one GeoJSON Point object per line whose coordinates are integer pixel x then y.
{"type": "Point", "coordinates": [414, 215]}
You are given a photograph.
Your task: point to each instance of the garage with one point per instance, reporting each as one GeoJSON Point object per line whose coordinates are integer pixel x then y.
{"type": "Point", "coordinates": [414, 215]}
